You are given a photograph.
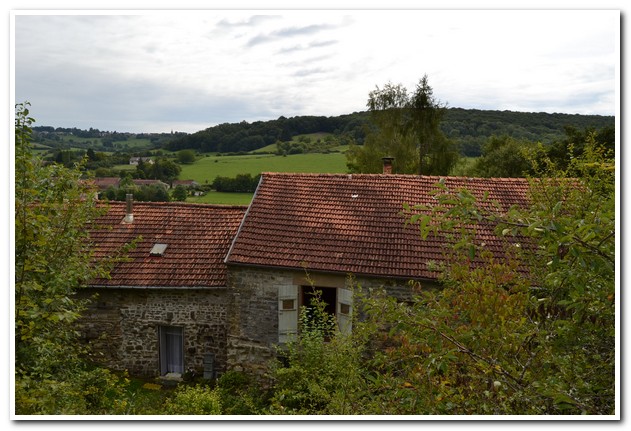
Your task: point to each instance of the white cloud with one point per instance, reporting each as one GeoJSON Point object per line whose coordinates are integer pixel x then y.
{"type": "Point", "coordinates": [195, 69]}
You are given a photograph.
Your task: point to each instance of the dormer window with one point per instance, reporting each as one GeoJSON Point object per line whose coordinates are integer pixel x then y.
{"type": "Point", "coordinates": [158, 249]}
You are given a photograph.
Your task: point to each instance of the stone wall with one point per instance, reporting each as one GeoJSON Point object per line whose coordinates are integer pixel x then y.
{"type": "Point", "coordinates": [253, 317]}
{"type": "Point", "coordinates": [253, 308]}
{"type": "Point", "coordinates": [239, 325]}
{"type": "Point", "coordinates": [122, 325]}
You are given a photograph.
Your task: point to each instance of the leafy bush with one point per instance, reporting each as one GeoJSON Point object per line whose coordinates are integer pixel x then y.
{"type": "Point", "coordinates": [320, 372]}
{"type": "Point", "coordinates": [52, 261]}
{"type": "Point", "coordinates": [242, 183]}
{"type": "Point", "coordinates": [186, 156]}
{"type": "Point", "coordinates": [241, 394]}
{"type": "Point", "coordinates": [84, 391]}
{"type": "Point", "coordinates": [194, 400]}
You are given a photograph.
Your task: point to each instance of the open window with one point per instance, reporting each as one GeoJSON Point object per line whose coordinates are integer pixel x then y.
{"type": "Point", "coordinates": [171, 350]}
{"type": "Point", "coordinates": [328, 296]}
{"type": "Point", "coordinates": [291, 298]}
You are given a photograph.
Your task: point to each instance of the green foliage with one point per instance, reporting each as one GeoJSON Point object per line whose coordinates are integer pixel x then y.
{"type": "Point", "coordinates": [563, 150]}
{"type": "Point", "coordinates": [180, 193]}
{"type": "Point", "coordinates": [504, 157]}
{"type": "Point", "coordinates": [186, 156]}
{"type": "Point", "coordinates": [242, 183]}
{"type": "Point", "coordinates": [471, 128]}
{"type": "Point", "coordinates": [162, 169]}
{"type": "Point", "coordinates": [80, 390]}
{"type": "Point", "coordinates": [145, 193]}
{"type": "Point", "coordinates": [142, 398]}
{"type": "Point", "coordinates": [314, 143]}
{"type": "Point", "coordinates": [406, 127]}
{"type": "Point", "coordinates": [549, 337]}
{"type": "Point", "coordinates": [468, 128]}
{"type": "Point", "coordinates": [52, 260]}
{"type": "Point", "coordinates": [320, 371]}
{"type": "Point", "coordinates": [244, 136]}
{"type": "Point", "coordinates": [194, 400]}
{"type": "Point", "coordinates": [241, 394]}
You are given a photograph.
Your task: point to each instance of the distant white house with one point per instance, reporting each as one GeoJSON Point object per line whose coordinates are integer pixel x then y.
{"type": "Point", "coordinates": [136, 160]}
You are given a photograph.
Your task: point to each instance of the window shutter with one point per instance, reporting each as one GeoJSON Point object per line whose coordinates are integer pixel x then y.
{"type": "Point", "coordinates": [287, 313]}
{"type": "Point", "coordinates": [345, 310]}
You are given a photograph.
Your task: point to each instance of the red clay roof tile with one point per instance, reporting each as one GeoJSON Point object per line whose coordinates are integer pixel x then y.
{"type": "Point", "coordinates": [198, 238]}
{"type": "Point", "coordinates": [353, 223]}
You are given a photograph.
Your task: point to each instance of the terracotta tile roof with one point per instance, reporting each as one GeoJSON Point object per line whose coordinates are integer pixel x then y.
{"type": "Point", "coordinates": [353, 223]}
{"type": "Point", "coordinates": [197, 236]}
{"type": "Point", "coordinates": [105, 182]}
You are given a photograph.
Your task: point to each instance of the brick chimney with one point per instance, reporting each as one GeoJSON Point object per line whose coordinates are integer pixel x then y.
{"type": "Point", "coordinates": [129, 214]}
{"type": "Point", "coordinates": [387, 165]}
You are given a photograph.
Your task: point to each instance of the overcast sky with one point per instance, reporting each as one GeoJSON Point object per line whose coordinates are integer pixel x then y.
{"type": "Point", "coordinates": [186, 71]}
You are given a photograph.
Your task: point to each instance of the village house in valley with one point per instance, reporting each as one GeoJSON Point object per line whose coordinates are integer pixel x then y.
{"type": "Point", "coordinates": [136, 160]}
{"type": "Point", "coordinates": [227, 283]}
{"type": "Point", "coordinates": [163, 309]}
{"type": "Point", "coordinates": [305, 231]}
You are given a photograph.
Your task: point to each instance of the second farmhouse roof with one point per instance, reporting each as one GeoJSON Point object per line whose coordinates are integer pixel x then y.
{"type": "Point", "coordinates": [353, 223]}
{"type": "Point", "coordinates": [181, 245]}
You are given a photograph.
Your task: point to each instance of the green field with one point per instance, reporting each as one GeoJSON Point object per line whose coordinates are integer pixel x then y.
{"type": "Point", "coordinates": [126, 167]}
{"type": "Point", "coordinates": [206, 169]}
{"type": "Point", "coordinates": [210, 166]}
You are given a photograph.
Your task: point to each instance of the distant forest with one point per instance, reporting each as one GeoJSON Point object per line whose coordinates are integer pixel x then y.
{"type": "Point", "coordinates": [470, 128]}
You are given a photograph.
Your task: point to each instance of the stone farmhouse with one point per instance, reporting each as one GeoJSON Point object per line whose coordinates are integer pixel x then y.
{"type": "Point", "coordinates": [211, 288]}
{"type": "Point", "coordinates": [164, 308]}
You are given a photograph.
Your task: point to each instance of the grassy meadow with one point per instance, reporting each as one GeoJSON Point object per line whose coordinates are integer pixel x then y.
{"type": "Point", "coordinates": [209, 166]}
{"type": "Point", "coordinates": [206, 169]}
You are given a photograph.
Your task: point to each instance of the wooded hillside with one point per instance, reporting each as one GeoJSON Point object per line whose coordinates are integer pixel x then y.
{"type": "Point", "coordinates": [470, 128]}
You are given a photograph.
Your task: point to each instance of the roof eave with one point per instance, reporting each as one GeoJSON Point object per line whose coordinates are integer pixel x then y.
{"type": "Point", "coordinates": [132, 287]}
{"type": "Point", "coordinates": [324, 271]}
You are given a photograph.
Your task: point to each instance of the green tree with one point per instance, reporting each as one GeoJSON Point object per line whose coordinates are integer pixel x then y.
{"type": "Point", "coordinates": [406, 127]}
{"type": "Point", "coordinates": [53, 260]}
{"type": "Point", "coordinates": [180, 193]}
{"type": "Point", "coordinates": [242, 183]}
{"type": "Point", "coordinates": [504, 157]}
{"type": "Point", "coordinates": [537, 343]}
{"type": "Point", "coordinates": [562, 151]}
{"type": "Point", "coordinates": [186, 156]}
{"type": "Point", "coordinates": [164, 170]}
{"type": "Point", "coordinates": [91, 154]}
{"type": "Point", "coordinates": [143, 169]}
